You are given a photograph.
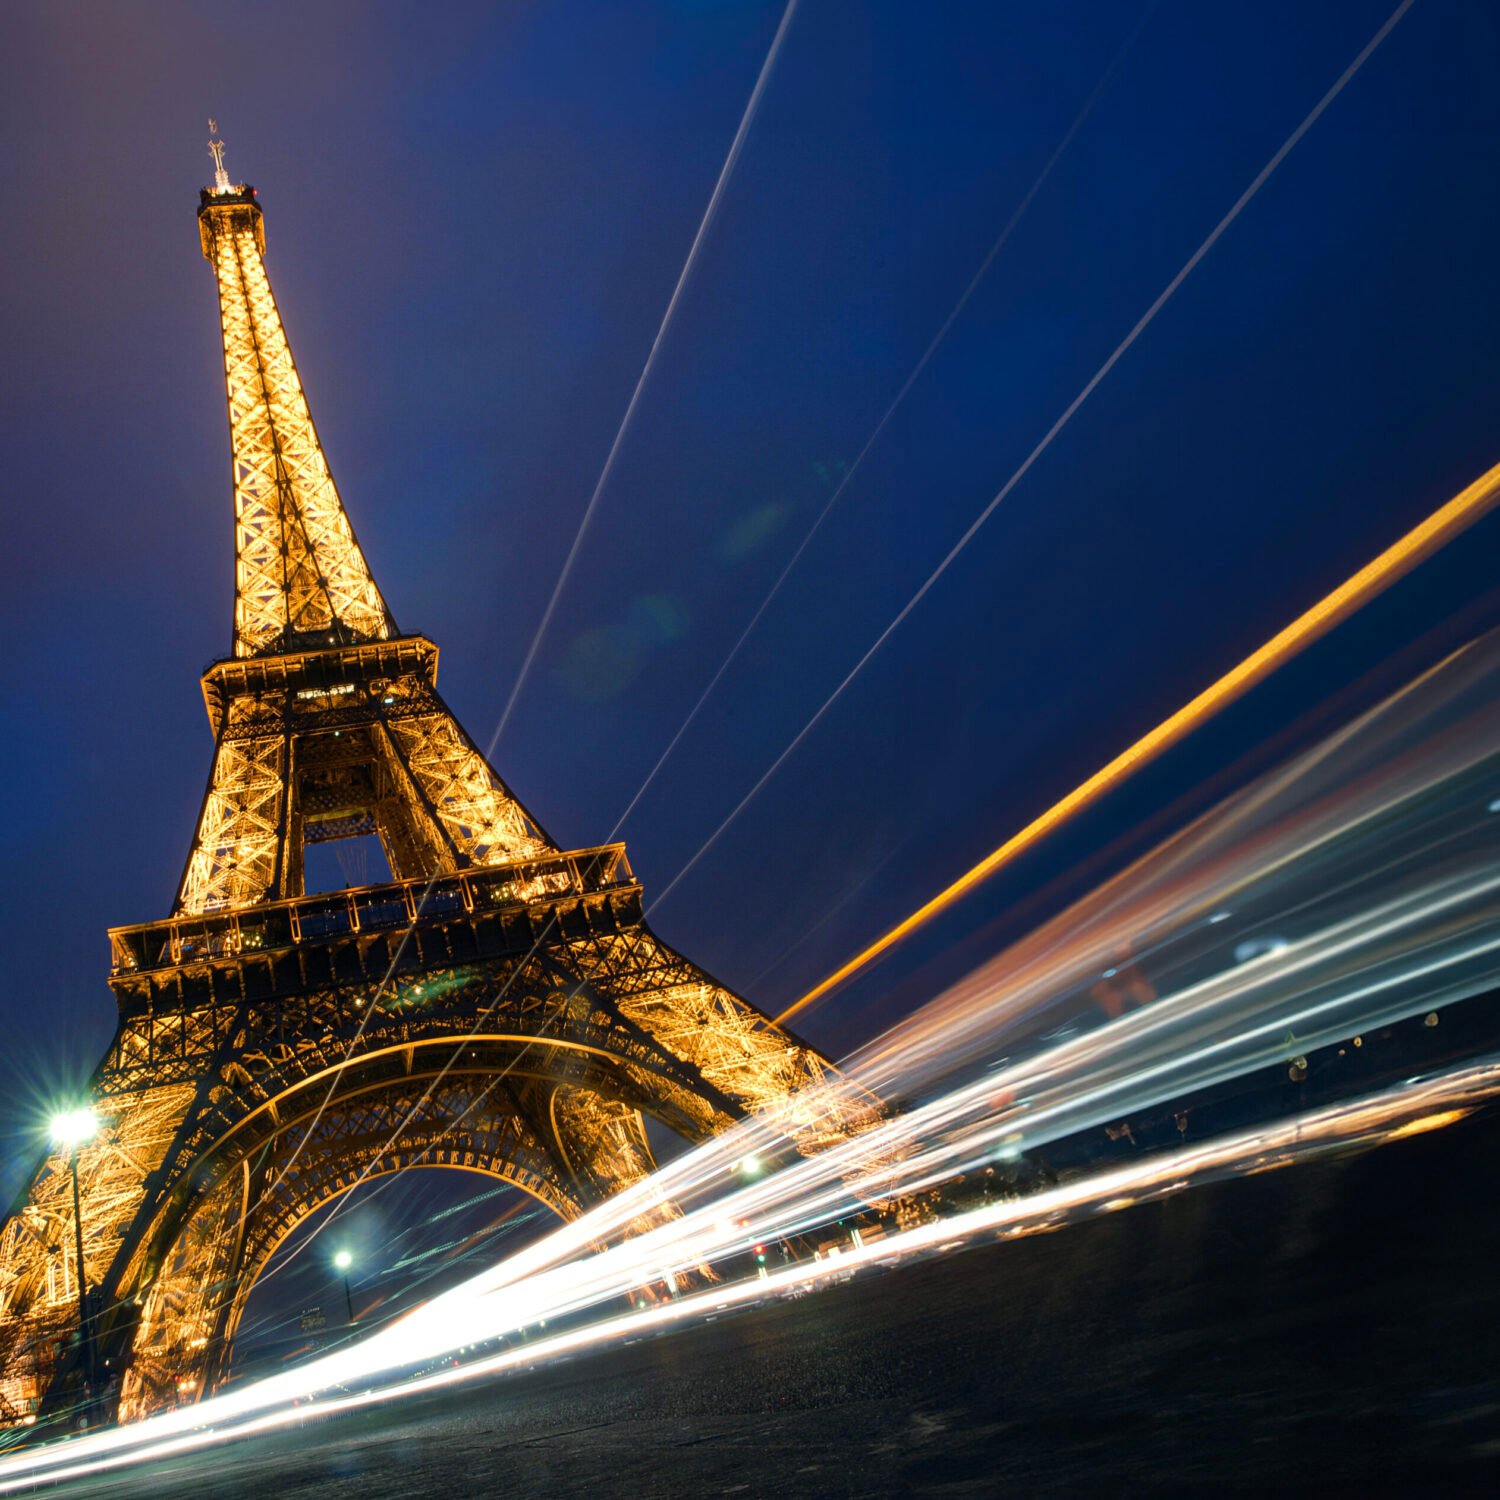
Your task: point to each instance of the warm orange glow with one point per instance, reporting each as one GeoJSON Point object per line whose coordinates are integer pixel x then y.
{"type": "Point", "coordinates": [1423, 1123]}
{"type": "Point", "coordinates": [1440, 528]}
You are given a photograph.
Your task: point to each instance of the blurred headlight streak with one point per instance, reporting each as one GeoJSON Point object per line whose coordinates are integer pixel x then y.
{"type": "Point", "coordinates": [1365, 873]}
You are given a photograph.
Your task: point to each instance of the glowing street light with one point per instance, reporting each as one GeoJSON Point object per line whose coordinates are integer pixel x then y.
{"type": "Point", "coordinates": [343, 1259]}
{"type": "Point", "coordinates": [72, 1129]}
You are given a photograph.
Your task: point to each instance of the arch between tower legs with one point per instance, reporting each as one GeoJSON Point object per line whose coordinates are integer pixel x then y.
{"type": "Point", "coordinates": [566, 1144]}
{"type": "Point", "coordinates": [197, 1173]}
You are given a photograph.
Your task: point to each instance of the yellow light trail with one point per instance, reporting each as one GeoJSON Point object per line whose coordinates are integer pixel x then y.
{"type": "Point", "coordinates": [1441, 527]}
{"type": "Point", "coordinates": [1378, 941]}
{"type": "Point", "coordinates": [322, 1389]}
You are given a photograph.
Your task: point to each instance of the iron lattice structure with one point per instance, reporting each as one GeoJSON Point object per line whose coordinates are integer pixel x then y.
{"type": "Point", "coordinates": [499, 1005]}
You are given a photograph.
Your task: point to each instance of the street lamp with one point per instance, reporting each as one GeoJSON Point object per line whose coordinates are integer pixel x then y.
{"type": "Point", "coordinates": [72, 1129]}
{"type": "Point", "coordinates": [343, 1260]}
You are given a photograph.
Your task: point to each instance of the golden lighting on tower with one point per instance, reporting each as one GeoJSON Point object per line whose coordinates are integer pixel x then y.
{"type": "Point", "coordinates": [496, 1005]}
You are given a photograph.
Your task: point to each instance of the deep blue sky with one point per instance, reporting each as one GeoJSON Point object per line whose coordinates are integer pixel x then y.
{"type": "Point", "coordinates": [475, 216]}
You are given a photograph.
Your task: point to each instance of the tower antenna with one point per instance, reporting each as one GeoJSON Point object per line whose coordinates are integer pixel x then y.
{"type": "Point", "coordinates": [216, 150]}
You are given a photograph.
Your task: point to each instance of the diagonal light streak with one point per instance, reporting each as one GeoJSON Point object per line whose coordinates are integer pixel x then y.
{"type": "Point", "coordinates": [1448, 522]}
{"type": "Point", "coordinates": [1142, 324]}
{"type": "Point", "coordinates": [1422, 932]}
{"type": "Point", "coordinates": [709, 213]}
{"type": "Point", "coordinates": [1001, 241]}
{"type": "Point", "coordinates": [1153, 744]}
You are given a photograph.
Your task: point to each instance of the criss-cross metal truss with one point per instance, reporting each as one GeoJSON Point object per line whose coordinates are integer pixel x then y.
{"type": "Point", "coordinates": [320, 745]}
{"type": "Point", "coordinates": [497, 1005]}
{"type": "Point", "coordinates": [299, 574]}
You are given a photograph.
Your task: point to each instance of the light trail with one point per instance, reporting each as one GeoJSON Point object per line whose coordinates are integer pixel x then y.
{"type": "Point", "coordinates": [1441, 527]}
{"type": "Point", "coordinates": [1141, 325]}
{"type": "Point", "coordinates": [1000, 242]}
{"type": "Point", "coordinates": [1138, 754]}
{"type": "Point", "coordinates": [709, 214]}
{"type": "Point", "coordinates": [1352, 888]}
{"type": "Point", "coordinates": [1397, 1114]}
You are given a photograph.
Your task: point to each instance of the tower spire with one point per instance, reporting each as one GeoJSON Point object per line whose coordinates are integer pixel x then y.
{"type": "Point", "coordinates": [216, 150]}
{"type": "Point", "coordinates": [301, 580]}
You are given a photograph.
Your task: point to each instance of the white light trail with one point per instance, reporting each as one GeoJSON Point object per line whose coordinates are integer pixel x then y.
{"type": "Point", "coordinates": [1368, 869]}
{"type": "Point", "coordinates": [1000, 242]}
{"type": "Point", "coordinates": [709, 214]}
{"type": "Point", "coordinates": [1121, 349]}
{"type": "Point", "coordinates": [726, 172]}
{"type": "Point", "coordinates": [1418, 1106]}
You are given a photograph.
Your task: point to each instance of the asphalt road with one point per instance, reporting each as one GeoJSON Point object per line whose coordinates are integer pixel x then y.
{"type": "Point", "coordinates": [1325, 1330]}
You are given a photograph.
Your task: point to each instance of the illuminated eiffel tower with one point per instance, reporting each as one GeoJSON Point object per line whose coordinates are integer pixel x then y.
{"type": "Point", "coordinates": [498, 1005]}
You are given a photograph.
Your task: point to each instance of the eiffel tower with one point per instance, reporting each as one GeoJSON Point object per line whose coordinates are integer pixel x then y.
{"type": "Point", "coordinates": [499, 1005]}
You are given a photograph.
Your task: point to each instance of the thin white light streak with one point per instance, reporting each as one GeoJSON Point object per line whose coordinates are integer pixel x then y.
{"type": "Point", "coordinates": [709, 214]}
{"type": "Point", "coordinates": [1144, 322]}
{"type": "Point", "coordinates": [1390, 1115]}
{"type": "Point", "coordinates": [1377, 941]}
{"type": "Point", "coordinates": [725, 172]}
{"type": "Point", "coordinates": [1000, 243]}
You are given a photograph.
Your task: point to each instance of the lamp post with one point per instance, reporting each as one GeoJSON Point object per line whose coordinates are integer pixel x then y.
{"type": "Point", "coordinates": [72, 1129]}
{"type": "Point", "coordinates": [343, 1260]}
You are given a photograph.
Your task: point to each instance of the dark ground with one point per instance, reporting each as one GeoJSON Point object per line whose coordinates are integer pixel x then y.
{"type": "Point", "coordinates": [1324, 1330]}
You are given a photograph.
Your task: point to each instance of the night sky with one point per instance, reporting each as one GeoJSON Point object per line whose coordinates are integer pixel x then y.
{"type": "Point", "coordinates": [475, 216]}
